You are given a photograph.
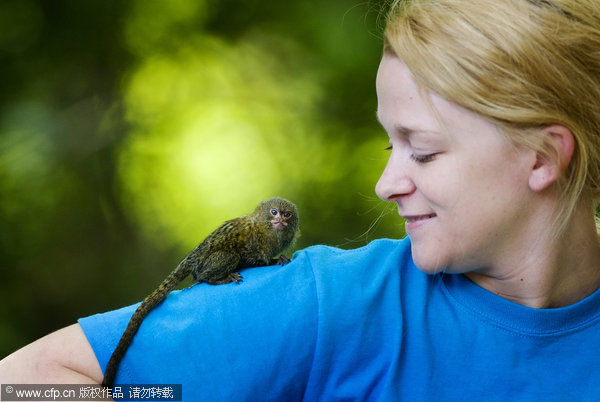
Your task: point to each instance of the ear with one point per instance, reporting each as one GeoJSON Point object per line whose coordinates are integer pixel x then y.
{"type": "Point", "coordinates": [554, 160]}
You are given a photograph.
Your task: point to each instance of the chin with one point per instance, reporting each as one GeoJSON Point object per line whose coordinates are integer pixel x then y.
{"type": "Point", "coordinates": [430, 269]}
{"type": "Point", "coordinates": [430, 263]}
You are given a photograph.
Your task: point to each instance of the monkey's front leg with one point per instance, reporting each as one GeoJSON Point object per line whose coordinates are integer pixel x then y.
{"type": "Point", "coordinates": [282, 260]}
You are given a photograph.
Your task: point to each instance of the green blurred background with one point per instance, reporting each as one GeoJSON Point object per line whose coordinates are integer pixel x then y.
{"type": "Point", "coordinates": [130, 129]}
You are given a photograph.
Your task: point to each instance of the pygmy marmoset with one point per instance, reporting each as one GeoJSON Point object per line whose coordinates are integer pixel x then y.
{"type": "Point", "coordinates": [249, 241]}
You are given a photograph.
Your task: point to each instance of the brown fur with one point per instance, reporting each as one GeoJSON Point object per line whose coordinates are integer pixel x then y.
{"type": "Point", "coordinates": [249, 241]}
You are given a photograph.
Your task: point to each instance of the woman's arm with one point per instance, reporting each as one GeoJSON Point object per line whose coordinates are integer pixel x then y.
{"type": "Point", "coordinates": [64, 356]}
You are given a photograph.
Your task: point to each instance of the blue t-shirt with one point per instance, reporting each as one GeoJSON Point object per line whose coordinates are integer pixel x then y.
{"type": "Point", "coordinates": [361, 324]}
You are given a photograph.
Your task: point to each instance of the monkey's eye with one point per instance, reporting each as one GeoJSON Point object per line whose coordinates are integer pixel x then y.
{"type": "Point", "coordinates": [273, 212]}
{"type": "Point", "coordinates": [287, 214]}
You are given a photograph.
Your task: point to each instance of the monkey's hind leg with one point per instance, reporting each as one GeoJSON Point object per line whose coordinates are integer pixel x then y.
{"type": "Point", "coordinates": [232, 277]}
{"type": "Point", "coordinates": [220, 268]}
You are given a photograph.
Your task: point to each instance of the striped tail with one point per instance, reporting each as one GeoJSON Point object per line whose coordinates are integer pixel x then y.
{"type": "Point", "coordinates": [151, 301]}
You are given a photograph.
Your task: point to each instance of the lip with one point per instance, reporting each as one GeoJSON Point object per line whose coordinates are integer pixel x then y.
{"type": "Point", "coordinates": [414, 222]}
{"type": "Point", "coordinates": [278, 224]}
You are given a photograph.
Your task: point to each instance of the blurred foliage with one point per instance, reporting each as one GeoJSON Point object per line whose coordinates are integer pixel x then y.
{"type": "Point", "coordinates": [130, 130]}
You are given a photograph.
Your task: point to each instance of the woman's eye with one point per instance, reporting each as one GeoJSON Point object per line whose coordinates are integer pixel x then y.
{"type": "Point", "coordinates": [423, 158]}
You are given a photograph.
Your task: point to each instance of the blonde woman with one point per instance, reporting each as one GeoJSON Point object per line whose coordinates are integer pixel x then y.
{"type": "Point", "coordinates": [492, 109]}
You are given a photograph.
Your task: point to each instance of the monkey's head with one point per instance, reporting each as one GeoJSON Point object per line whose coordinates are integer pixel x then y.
{"type": "Point", "coordinates": [282, 216]}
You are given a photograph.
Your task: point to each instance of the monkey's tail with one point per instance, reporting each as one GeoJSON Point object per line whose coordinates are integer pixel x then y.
{"type": "Point", "coordinates": [138, 316]}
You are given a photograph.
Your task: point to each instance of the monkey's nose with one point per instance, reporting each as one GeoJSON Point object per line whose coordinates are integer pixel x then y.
{"type": "Point", "coordinates": [278, 223]}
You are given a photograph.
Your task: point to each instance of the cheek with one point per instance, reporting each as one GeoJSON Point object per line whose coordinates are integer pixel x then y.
{"type": "Point", "coordinates": [473, 185]}
{"type": "Point", "coordinates": [498, 187]}
{"type": "Point", "coordinates": [477, 201]}
{"type": "Point", "coordinates": [442, 184]}
{"type": "Point", "coordinates": [490, 202]}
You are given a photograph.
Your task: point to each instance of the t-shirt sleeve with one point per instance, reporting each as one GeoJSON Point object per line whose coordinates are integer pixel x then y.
{"type": "Point", "coordinates": [220, 342]}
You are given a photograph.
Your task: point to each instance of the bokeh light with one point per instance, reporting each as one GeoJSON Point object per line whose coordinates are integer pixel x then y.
{"type": "Point", "coordinates": [130, 130]}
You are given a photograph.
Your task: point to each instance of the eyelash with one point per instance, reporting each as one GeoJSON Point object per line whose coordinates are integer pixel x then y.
{"type": "Point", "coordinates": [422, 158]}
{"type": "Point", "coordinates": [418, 158]}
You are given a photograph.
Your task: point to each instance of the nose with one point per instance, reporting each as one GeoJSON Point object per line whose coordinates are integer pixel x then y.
{"type": "Point", "coordinates": [395, 181]}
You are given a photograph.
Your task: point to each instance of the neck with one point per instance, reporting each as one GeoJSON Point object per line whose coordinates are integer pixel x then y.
{"type": "Point", "coordinates": [545, 270]}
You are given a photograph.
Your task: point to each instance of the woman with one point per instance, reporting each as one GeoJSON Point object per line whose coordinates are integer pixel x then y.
{"type": "Point", "coordinates": [492, 109]}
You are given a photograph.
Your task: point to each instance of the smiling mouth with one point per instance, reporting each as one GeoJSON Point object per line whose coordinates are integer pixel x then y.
{"type": "Point", "coordinates": [418, 217]}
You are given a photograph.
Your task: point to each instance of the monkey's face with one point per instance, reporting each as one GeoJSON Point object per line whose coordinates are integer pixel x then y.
{"type": "Point", "coordinates": [279, 218]}
{"type": "Point", "coordinates": [281, 214]}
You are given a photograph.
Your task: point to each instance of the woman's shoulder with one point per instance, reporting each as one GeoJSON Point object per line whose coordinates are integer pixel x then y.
{"type": "Point", "coordinates": [363, 276]}
{"type": "Point", "coordinates": [381, 250]}
{"type": "Point", "coordinates": [381, 257]}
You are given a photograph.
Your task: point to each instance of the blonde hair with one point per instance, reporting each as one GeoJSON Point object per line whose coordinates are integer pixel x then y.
{"type": "Point", "coordinates": [522, 64]}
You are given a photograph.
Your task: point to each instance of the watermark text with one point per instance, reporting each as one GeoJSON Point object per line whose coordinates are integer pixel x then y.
{"type": "Point", "coordinates": [79, 392]}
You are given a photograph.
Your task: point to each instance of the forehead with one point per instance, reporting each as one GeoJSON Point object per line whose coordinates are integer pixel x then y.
{"type": "Point", "coordinates": [399, 98]}
{"type": "Point", "coordinates": [403, 104]}
{"type": "Point", "coordinates": [282, 204]}
{"type": "Point", "coordinates": [393, 74]}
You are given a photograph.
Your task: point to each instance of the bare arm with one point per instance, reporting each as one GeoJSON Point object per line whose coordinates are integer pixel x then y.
{"type": "Point", "coordinates": [64, 356]}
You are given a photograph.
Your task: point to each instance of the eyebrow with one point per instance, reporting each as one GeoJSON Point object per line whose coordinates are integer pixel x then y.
{"type": "Point", "coordinates": [403, 130]}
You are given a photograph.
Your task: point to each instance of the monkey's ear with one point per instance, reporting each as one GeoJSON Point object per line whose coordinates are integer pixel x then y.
{"type": "Point", "coordinates": [555, 157]}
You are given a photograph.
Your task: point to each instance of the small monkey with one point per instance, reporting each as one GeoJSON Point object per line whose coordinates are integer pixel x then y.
{"type": "Point", "coordinates": [248, 241]}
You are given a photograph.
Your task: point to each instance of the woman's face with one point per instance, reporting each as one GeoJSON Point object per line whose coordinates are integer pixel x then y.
{"type": "Point", "coordinates": [459, 183]}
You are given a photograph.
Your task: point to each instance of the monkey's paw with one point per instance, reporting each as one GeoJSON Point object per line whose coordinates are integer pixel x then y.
{"type": "Point", "coordinates": [282, 260]}
{"type": "Point", "coordinates": [236, 277]}
{"type": "Point", "coordinates": [232, 277]}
